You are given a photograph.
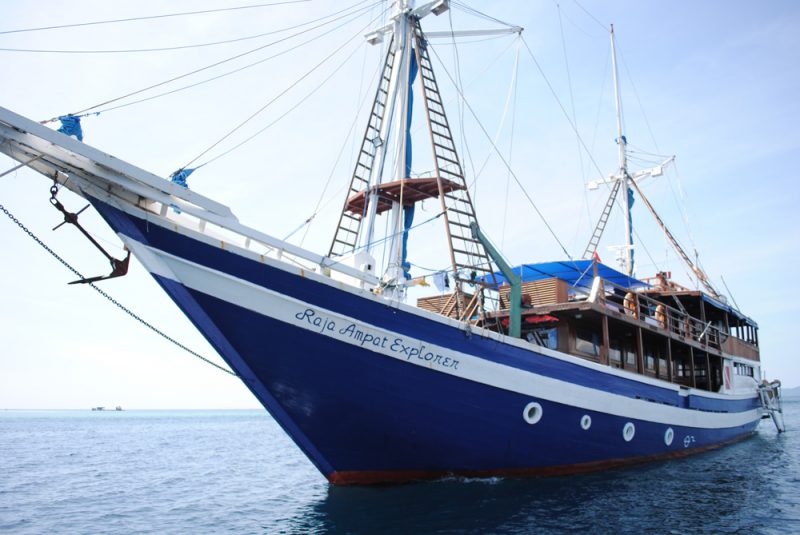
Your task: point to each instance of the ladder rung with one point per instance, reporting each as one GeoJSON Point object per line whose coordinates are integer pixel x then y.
{"type": "Point", "coordinates": [445, 147]}
{"type": "Point", "coordinates": [445, 158]}
{"type": "Point", "coordinates": [458, 224]}
{"type": "Point", "coordinates": [443, 125]}
{"type": "Point", "coordinates": [462, 212]}
{"type": "Point", "coordinates": [464, 238]}
{"type": "Point", "coordinates": [476, 268]}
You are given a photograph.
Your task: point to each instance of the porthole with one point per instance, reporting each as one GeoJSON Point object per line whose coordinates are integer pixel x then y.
{"type": "Point", "coordinates": [669, 435]}
{"type": "Point", "coordinates": [532, 412]}
{"type": "Point", "coordinates": [586, 422]}
{"type": "Point", "coordinates": [628, 431]}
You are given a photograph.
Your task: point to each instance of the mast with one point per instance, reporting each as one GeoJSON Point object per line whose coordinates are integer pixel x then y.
{"type": "Point", "coordinates": [623, 175]}
{"type": "Point", "coordinates": [377, 189]}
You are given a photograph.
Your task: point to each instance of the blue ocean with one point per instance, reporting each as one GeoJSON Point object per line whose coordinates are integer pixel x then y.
{"type": "Point", "coordinates": [236, 472]}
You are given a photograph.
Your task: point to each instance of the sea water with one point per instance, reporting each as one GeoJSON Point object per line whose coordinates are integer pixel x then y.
{"type": "Point", "coordinates": [237, 472]}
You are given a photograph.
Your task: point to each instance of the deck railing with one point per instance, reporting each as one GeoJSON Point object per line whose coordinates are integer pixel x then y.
{"type": "Point", "coordinates": [640, 306]}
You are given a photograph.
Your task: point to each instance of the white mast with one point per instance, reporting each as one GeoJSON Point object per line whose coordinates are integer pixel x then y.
{"type": "Point", "coordinates": [397, 86]}
{"type": "Point", "coordinates": [623, 165]}
{"type": "Point", "coordinates": [395, 124]}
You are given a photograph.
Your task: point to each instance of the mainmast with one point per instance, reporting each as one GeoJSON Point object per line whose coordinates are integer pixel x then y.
{"type": "Point", "coordinates": [376, 189]}
{"type": "Point", "coordinates": [622, 174]}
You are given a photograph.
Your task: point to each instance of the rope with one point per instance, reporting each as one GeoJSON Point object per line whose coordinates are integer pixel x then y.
{"type": "Point", "coordinates": [282, 93]}
{"type": "Point", "coordinates": [502, 159]}
{"type": "Point", "coordinates": [178, 47]}
{"type": "Point", "coordinates": [114, 301]}
{"type": "Point", "coordinates": [150, 17]}
{"type": "Point", "coordinates": [81, 113]}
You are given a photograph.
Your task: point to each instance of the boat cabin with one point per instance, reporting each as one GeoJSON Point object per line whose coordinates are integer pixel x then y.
{"type": "Point", "coordinates": [653, 327]}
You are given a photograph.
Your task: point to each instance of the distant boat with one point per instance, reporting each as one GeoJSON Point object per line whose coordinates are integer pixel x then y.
{"type": "Point", "coordinates": [98, 408]}
{"type": "Point", "coordinates": [118, 408]}
{"type": "Point", "coordinates": [540, 369]}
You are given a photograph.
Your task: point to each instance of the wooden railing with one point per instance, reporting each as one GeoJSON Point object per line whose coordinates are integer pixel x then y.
{"type": "Point", "coordinates": [658, 314]}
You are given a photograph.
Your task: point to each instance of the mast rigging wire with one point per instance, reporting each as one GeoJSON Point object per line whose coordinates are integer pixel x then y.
{"type": "Point", "coordinates": [195, 71]}
{"type": "Point", "coordinates": [497, 151]}
{"type": "Point", "coordinates": [181, 47]}
{"type": "Point", "coordinates": [151, 17]}
{"type": "Point", "coordinates": [239, 69]}
{"type": "Point", "coordinates": [271, 101]}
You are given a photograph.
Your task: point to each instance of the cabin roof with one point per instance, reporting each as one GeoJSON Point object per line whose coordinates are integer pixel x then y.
{"type": "Point", "coordinates": [575, 272]}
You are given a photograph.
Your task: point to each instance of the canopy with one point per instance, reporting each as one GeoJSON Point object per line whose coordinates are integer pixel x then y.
{"type": "Point", "coordinates": [729, 309]}
{"type": "Point", "coordinates": [575, 272]}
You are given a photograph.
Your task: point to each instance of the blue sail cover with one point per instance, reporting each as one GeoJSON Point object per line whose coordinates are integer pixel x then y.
{"type": "Point", "coordinates": [630, 222]}
{"type": "Point", "coordinates": [71, 126]}
{"type": "Point", "coordinates": [408, 211]}
{"type": "Point", "coordinates": [577, 273]}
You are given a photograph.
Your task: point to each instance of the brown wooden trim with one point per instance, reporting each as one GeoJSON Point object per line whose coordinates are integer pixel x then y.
{"type": "Point", "coordinates": [639, 351]}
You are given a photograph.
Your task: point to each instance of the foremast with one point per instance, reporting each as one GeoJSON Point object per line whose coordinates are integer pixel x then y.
{"type": "Point", "coordinates": [374, 189]}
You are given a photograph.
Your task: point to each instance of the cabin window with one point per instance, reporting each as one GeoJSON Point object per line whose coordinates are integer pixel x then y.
{"type": "Point", "coordinates": [650, 356]}
{"type": "Point", "coordinates": [630, 356]}
{"type": "Point", "coordinates": [587, 342]}
{"type": "Point", "coordinates": [743, 369]}
{"type": "Point", "coordinates": [682, 369]}
{"type": "Point", "coordinates": [662, 367]}
{"type": "Point", "coordinates": [545, 337]}
{"type": "Point", "coordinates": [615, 351]}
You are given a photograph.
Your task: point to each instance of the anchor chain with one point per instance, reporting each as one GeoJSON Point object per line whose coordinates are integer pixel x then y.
{"type": "Point", "coordinates": [119, 305]}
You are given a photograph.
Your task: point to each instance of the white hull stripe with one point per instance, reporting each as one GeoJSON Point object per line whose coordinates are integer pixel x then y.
{"type": "Point", "coordinates": [402, 347]}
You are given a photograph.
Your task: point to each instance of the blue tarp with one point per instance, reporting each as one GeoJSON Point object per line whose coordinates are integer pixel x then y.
{"type": "Point", "coordinates": [574, 272]}
{"type": "Point", "coordinates": [729, 309]}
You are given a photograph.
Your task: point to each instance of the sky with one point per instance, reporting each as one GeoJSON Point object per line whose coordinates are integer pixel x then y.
{"type": "Point", "coordinates": [714, 83]}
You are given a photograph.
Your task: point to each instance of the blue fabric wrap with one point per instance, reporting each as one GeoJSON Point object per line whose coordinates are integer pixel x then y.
{"type": "Point", "coordinates": [71, 126]}
{"type": "Point", "coordinates": [179, 177]}
{"type": "Point", "coordinates": [630, 222]}
{"type": "Point", "coordinates": [408, 211]}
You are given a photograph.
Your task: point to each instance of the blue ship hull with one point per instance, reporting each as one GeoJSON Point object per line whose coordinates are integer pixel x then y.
{"type": "Point", "coordinates": [374, 392]}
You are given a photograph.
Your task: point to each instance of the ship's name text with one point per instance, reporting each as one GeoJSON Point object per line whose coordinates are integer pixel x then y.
{"type": "Point", "coordinates": [396, 345]}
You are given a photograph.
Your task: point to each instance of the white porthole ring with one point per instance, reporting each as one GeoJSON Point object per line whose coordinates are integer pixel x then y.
{"type": "Point", "coordinates": [532, 413]}
{"type": "Point", "coordinates": [628, 431]}
{"type": "Point", "coordinates": [669, 435]}
{"type": "Point", "coordinates": [586, 422]}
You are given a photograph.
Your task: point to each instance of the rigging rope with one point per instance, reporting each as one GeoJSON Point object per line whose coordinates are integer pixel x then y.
{"type": "Point", "coordinates": [179, 47]}
{"type": "Point", "coordinates": [110, 298]}
{"type": "Point", "coordinates": [282, 93]}
{"type": "Point", "coordinates": [195, 71]}
{"type": "Point", "coordinates": [505, 163]}
{"type": "Point", "coordinates": [239, 69]}
{"type": "Point", "coordinates": [575, 120]}
{"type": "Point", "coordinates": [150, 17]}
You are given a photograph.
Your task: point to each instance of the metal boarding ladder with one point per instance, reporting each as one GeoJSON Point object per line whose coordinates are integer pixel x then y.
{"type": "Point", "coordinates": [344, 241]}
{"type": "Point", "coordinates": [601, 223]}
{"type": "Point", "coordinates": [466, 253]}
{"type": "Point", "coordinates": [770, 394]}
